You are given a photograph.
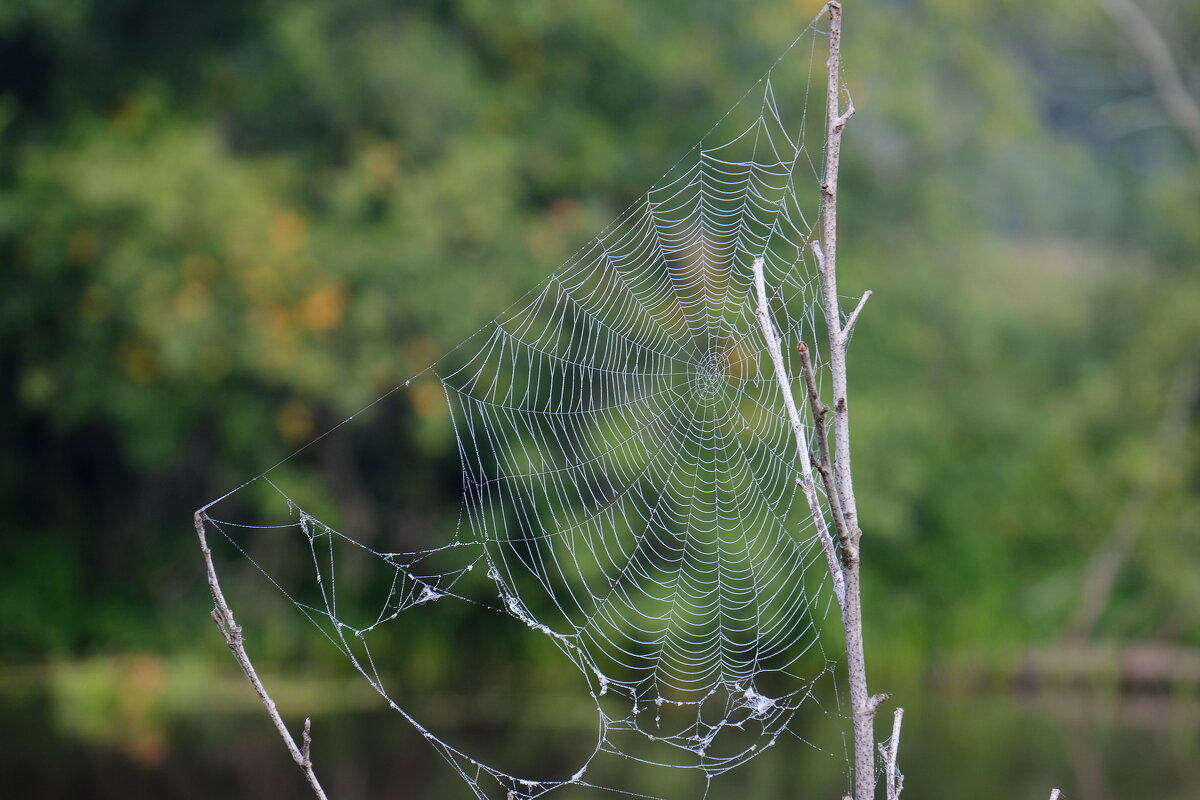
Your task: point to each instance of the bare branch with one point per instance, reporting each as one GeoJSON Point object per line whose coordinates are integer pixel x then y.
{"type": "Point", "coordinates": [1180, 105]}
{"type": "Point", "coordinates": [826, 251]}
{"type": "Point", "coordinates": [853, 318]}
{"type": "Point", "coordinates": [893, 778]}
{"type": "Point", "coordinates": [232, 632]}
{"type": "Point", "coordinates": [820, 411]}
{"type": "Point", "coordinates": [805, 481]}
{"type": "Point", "coordinates": [1054, 793]}
{"type": "Point", "coordinates": [843, 331]}
{"type": "Point", "coordinates": [846, 115]}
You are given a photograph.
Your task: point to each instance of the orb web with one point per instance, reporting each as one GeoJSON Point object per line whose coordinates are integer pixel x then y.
{"type": "Point", "coordinates": [629, 476]}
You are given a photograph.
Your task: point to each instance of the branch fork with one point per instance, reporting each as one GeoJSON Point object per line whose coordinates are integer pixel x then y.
{"type": "Point", "coordinates": [842, 331]}
{"type": "Point", "coordinates": [832, 462]}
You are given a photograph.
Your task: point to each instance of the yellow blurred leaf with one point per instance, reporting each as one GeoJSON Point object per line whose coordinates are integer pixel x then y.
{"type": "Point", "coordinates": [294, 421]}
{"type": "Point", "coordinates": [323, 308]}
{"type": "Point", "coordinates": [429, 401]}
{"type": "Point", "coordinates": [286, 231]}
{"type": "Point", "coordinates": [192, 302]}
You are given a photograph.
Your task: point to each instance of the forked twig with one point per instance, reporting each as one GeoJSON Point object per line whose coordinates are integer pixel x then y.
{"type": "Point", "coordinates": [833, 462]}
{"type": "Point", "coordinates": [223, 616]}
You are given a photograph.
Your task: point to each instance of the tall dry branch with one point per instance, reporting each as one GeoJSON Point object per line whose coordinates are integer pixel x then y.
{"type": "Point", "coordinates": [832, 461]}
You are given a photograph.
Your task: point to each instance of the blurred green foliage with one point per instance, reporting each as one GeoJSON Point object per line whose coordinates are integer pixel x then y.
{"type": "Point", "coordinates": [224, 226]}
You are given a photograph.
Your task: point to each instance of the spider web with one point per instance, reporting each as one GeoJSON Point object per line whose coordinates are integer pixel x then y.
{"type": "Point", "coordinates": [629, 476]}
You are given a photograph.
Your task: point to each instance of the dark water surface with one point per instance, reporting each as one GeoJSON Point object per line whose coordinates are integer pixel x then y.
{"type": "Point", "coordinates": [958, 745]}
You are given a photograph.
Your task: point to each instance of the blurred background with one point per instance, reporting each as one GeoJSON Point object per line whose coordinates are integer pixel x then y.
{"type": "Point", "coordinates": [224, 226]}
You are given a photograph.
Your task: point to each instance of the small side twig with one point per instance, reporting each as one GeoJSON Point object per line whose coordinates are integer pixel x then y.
{"type": "Point", "coordinates": [853, 318]}
{"type": "Point", "coordinates": [893, 778]}
{"type": "Point", "coordinates": [876, 700]}
{"type": "Point", "coordinates": [823, 461]}
{"type": "Point", "coordinates": [839, 341]}
{"type": "Point", "coordinates": [232, 632]}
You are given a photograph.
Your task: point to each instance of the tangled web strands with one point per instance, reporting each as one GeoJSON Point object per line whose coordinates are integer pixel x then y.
{"type": "Point", "coordinates": [628, 471]}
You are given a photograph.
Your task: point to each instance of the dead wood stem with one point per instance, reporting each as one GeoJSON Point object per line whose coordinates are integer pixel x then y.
{"type": "Point", "coordinates": [893, 778]}
{"type": "Point", "coordinates": [223, 616]}
{"type": "Point", "coordinates": [806, 483]}
{"type": "Point", "coordinates": [820, 411]}
{"type": "Point", "coordinates": [863, 705]}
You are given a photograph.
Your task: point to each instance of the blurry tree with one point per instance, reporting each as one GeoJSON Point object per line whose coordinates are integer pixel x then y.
{"type": "Point", "coordinates": [1044, 300]}
{"type": "Point", "coordinates": [226, 225]}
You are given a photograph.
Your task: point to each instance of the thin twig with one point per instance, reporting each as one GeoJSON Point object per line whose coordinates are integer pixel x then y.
{"type": "Point", "coordinates": [232, 632]}
{"type": "Point", "coordinates": [876, 700]}
{"type": "Point", "coordinates": [853, 318]}
{"type": "Point", "coordinates": [820, 411]}
{"type": "Point", "coordinates": [893, 778]}
{"type": "Point", "coordinates": [805, 481]}
{"type": "Point", "coordinates": [1054, 793]}
{"type": "Point", "coordinates": [839, 339]}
